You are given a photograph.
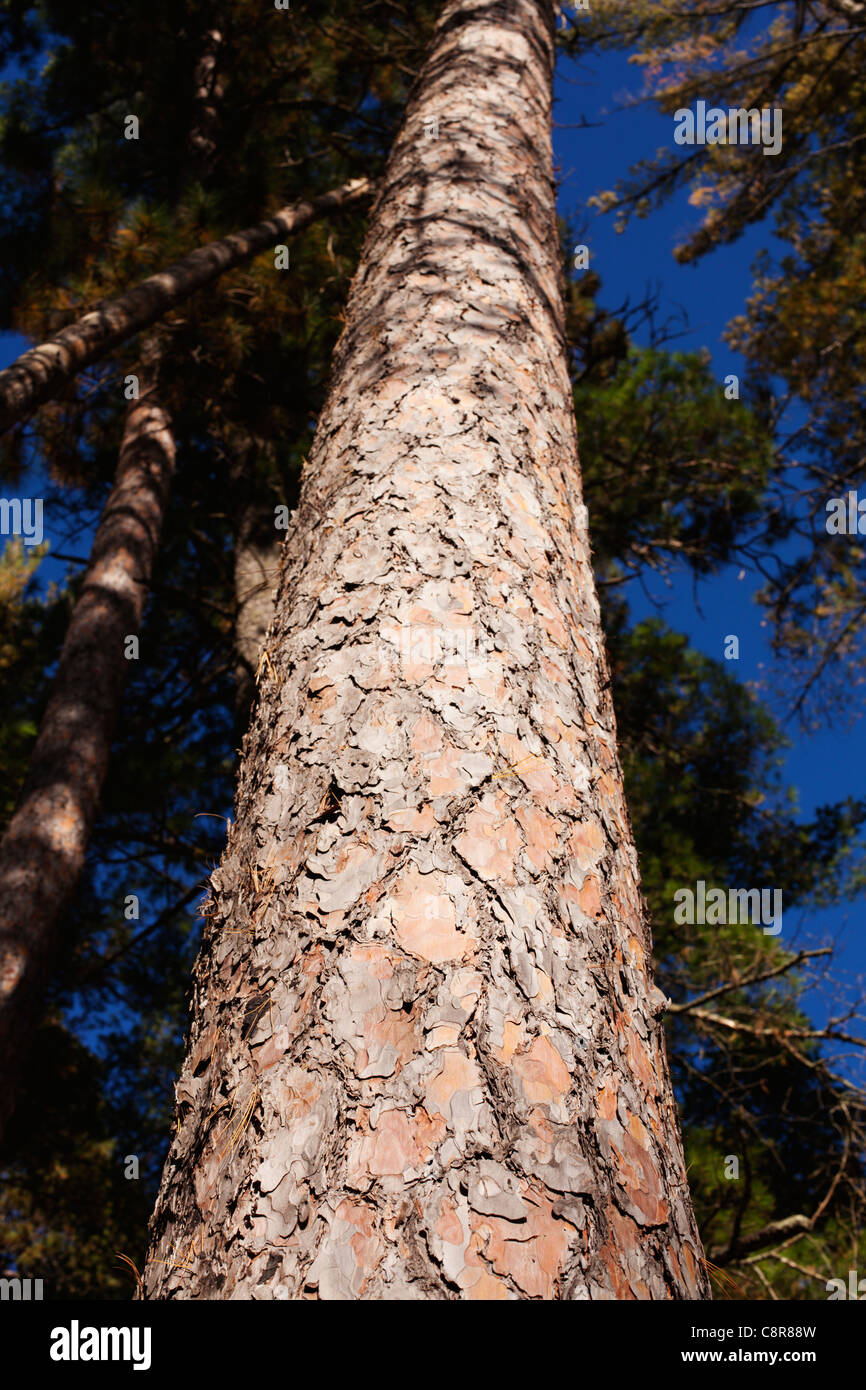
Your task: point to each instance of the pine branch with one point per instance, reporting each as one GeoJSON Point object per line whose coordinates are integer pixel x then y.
{"type": "Point", "coordinates": [39, 374]}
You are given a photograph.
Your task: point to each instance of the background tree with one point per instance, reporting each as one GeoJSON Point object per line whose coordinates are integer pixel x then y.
{"type": "Point", "coordinates": [804, 324]}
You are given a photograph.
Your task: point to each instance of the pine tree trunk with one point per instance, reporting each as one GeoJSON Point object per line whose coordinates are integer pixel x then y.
{"type": "Point", "coordinates": [257, 549]}
{"type": "Point", "coordinates": [42, 853]}
{"type": "Point", "coordinates": [203, 139]}
{"type": "Point", "coordinates": [426, 1059]}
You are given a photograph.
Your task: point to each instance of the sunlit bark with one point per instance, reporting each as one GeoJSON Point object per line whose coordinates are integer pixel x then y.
{"type": "Point", "coordinates": [426, 1058]}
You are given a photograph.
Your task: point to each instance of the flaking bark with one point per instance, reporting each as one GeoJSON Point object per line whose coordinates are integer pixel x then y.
{"type": "Point", "coordinates": [426, 1057]}
{"type": "Point", "coordinates": [43, 851]}
{"type": "Point", "coordinates": [39, 374]}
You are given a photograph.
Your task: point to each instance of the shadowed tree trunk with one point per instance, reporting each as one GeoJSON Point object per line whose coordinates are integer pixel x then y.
{"type": "Point", "coordinates": [257, 546]}
{"type": "Point", "coordinates": [40, 373]}
{"type": "Point", "coordinates": [426, 1058]}
{"type": "Point", "coordinates": [43, 851]}
{"type": "Point", "coordinates": [203, 137]}
{"type": "Point", "coordinates": [256, 572]}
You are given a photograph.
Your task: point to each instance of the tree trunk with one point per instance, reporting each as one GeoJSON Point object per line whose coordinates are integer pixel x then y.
{"type": "Point", "coordinates": [207, 94]}
{"type": "Point", "coordinates": [426, 1059]}
{"type": "Point", "coordinates": [43, 851]}
{"type": "Point", "coordinates": [256, 572]}
{"type": "Point", "coordinates": [257, 547]}
{"type": "Point", "coordinates": [39, 374]}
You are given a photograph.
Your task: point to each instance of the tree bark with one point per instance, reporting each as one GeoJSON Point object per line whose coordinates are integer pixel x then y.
{"type": "Point", "coordinates": [426, 1058]}
{"type": "Point", "coordinates": [39, 374]}
{"type": "Point", "coordinates": [43, 851]}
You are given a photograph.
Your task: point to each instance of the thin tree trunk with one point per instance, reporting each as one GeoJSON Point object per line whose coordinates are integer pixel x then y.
{"type": "Point", "coordinates": [256, 572]}
{"type": "Point", "coordinates": [39, 374]}
{"type": "Point", "coordinates": [202, 140]}
{"type": "Point", "coordinates": [426, 1058]}
{"type": "Point", "coordinates": [43, 851]}
{"type": "Point", "coordinates": [257, 547]}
